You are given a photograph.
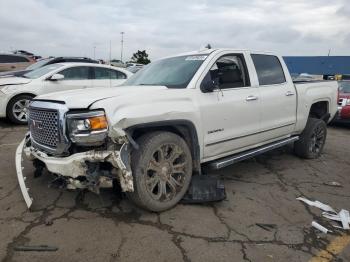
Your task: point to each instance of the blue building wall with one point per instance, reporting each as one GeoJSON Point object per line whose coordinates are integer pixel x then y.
{"type": "Point", "coordinates": [318, 65]}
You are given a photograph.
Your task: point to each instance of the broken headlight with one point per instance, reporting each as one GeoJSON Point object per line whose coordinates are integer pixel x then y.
{"type": "Point", "coordinates": [87, 128]}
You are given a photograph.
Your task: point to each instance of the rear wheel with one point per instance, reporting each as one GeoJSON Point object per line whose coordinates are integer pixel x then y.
{"type": "Point", "coordinates": [17, 109]}
{"type": "Point", "coordinates": [312, 140]}
{"type": "Point", "coordinates": [162, 171]}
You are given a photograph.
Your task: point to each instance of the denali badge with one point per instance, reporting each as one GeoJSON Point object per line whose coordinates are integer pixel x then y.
{"type": "Point", "coordinates": [216, 130]}
{"type": "Point", "coordinates": [37, 124]}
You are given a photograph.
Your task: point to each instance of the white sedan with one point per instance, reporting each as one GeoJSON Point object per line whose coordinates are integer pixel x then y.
{"type": "Point", "coordinates": [16, 92]}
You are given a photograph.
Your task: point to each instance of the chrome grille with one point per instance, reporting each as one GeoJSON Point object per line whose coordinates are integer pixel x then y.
{"type": "Point", "coordinates": [43, 125]}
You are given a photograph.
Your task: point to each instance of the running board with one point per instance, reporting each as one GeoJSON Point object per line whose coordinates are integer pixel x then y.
{"type": "Point", "coordinates": [223, 162]}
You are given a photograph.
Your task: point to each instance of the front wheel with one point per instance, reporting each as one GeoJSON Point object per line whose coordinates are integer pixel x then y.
{"type": "Point", "coordinates": [312, 140]}
{"type": "Point", "coordinates": [17, 109]}
{"type": "Point", "coordinates": [162, 171]}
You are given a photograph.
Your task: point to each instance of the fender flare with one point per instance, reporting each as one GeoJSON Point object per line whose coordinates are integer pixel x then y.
{"type": "Point", "coordinates": [182, 126]}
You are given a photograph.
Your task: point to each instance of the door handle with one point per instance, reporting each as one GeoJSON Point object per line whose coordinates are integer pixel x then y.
{"type": "Point", "coordinates": [289, 93]}
{"type": "Point", "coordinates": [251, 98]}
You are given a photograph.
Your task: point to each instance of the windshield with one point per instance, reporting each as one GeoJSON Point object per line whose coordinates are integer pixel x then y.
{"type": "Point", "coordinates": [174, 72]}
{"type": "Point", "coordinates": [344, 86]}
{"type": "Point", "coordinates": [41, 71]}
{"type": "Point", "coordinates": [38, 64]}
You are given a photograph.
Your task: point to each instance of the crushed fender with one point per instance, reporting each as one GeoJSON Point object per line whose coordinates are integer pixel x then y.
{"type": "Point", "coordinates": [125, 175]}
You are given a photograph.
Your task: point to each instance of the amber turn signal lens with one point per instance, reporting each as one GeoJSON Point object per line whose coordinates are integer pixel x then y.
{"type": "Point", "coordinates": [98, 122]}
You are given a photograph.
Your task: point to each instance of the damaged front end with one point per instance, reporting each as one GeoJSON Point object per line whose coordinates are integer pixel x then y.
{"type": "Point", "coordinates": [81, 158]}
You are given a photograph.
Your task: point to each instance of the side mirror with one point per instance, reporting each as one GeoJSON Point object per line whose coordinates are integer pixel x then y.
{"type": "Point", "coordinates": [56, 77]}
{"type": "Point", "coordinates": [208, 86]}
{"type": "Point", "coordinates": [210, 82]}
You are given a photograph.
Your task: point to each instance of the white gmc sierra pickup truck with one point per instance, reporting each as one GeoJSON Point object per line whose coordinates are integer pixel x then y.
{"type": "Point", "coordinates": [212, 107]}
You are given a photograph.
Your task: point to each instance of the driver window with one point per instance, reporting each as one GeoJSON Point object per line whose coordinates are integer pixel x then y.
{"type": "Point", "coordinates": [231, 72]}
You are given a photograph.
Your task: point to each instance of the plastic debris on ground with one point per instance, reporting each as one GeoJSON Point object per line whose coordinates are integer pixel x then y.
{"type": "Point", "coordinates": [267, 227]}
{"type": "Point", "coordinates": [320, 227]}
{"type": "Point", "coordinates": [333, 183]}
{"type": "Point", "coordinates": [36, 248]}
{"type": "Point", "coordinates": [318, 204]}
{"type": "Point", "coordinates": [204, 188]}
{"type": "Point", "coordinates": [343, 216]}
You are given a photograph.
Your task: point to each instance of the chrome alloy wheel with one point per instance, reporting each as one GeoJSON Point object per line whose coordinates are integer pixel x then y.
{"type": "Point", "coordinates": [166, 172]}
{"type": "Point", "coordinates": [20, 110]}
{"type": "Point", "coordinates": [317, 140]}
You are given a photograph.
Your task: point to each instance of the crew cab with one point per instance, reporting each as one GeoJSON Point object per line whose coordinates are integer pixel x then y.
{"type": "Point", "coordinates": [210, 108]}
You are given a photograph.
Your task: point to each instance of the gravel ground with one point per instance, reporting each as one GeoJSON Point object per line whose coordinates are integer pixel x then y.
{"type": "Point", "coordinates": [259, 221]}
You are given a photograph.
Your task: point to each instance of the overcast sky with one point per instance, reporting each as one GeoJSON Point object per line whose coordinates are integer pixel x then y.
{"type": "Point", "coordinates": [73, 27]}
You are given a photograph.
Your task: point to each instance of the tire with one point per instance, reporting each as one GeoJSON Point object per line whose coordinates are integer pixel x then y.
{"type": "Point", "coordinates": [312, 140]}
{"type": "Point", "coordinates": [157, 185]}
{"type": "Point", "coordinates": [16, 110]}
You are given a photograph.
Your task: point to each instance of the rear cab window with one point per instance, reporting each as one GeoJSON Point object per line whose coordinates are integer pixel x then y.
{"type": "Point", "coordinates": [269, 69]}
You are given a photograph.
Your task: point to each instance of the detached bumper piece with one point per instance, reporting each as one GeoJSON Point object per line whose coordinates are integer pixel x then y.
{"type": "Point", "coordinates": [204, 188]}
{"type": "Point", "coordinates": [90, 170]}
{"type": "Point", "coordinates": [20, 177]}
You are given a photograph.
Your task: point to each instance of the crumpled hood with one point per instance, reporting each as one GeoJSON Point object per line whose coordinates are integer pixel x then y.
{"type": "Point", "coordinates": [83, 98]}
{"type": "Point", "coordinates": [4, 81]}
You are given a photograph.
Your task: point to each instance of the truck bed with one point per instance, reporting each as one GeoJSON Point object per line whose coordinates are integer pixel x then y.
{"type": "Point", "coordinates": [309, 93]}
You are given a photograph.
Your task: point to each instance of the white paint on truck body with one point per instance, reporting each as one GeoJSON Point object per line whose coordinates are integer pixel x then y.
{"type": "Point", "coordinates": [226, 121]}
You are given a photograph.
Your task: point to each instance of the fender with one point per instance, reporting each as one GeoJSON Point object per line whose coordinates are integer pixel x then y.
{"type": "Point", "coordinates": [185, 128]}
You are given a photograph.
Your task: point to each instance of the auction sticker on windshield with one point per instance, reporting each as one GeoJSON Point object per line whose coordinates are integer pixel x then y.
{"type": "Point", "coordinates": [196, 57]}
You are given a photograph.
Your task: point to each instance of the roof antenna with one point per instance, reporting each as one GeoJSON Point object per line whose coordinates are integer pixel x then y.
{"type": "Point", "coordinates": [208, 46]}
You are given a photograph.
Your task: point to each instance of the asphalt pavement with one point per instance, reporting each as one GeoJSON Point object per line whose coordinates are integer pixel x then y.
{"type": "Point", "coordinates": [260, 220]}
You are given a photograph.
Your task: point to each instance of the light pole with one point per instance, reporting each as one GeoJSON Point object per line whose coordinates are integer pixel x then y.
{"type": "Point", "coordinates": [94, 51]}
{"type": "Point", "coordinates": [122, 43]}
{"type": "Point", "coordinates": [110, 51]}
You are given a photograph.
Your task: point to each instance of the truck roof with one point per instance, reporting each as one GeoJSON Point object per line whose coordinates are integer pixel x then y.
{"type": "Point", "coordinates": [209, 51]}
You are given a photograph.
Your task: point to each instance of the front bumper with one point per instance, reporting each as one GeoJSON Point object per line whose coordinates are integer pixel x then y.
{"type": "Point", "coordinates": [74, 166]}
{"type": "Point", "coordinates": [3, 104]}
